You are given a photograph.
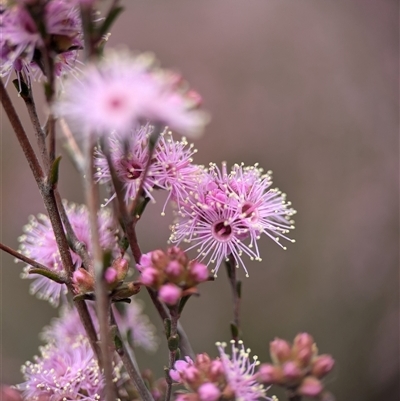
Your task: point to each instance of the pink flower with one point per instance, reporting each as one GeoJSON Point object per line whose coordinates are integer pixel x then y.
{"type": "Point", "coordinates": [209, 392]}
{"type": "Point", "coordinates": [122, 90]}
{"type": "Point", "coordinates": [170, 294]}
{"type": "Point", "coordinates": [226, 210]}
{"type": "Point", "coordinates": [39, 243]}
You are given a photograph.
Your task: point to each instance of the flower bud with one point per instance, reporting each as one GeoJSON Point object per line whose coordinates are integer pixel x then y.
{"type": "Point", "coordinates": [269, 374]}
{"type": "Point", "coordinates": [291, 371]}
{"type": "Point", "coordinates": [310, 387]}
{"type": "Point", "coordinates": [121, 266]}
{"type": "Point", "coordinates": [280, 350]}
{"type": "Point", "coordinates": [159, 259]}
{"type": "Point", "coordinates": [7, 393]}
{"type": "Point", "coordinates": [303, 348]}
{"type": "Point", "coordinates": [216, 370]}
{"type": "Point", "coordinates": [322, 365]}
{"type": "Point", "coordinates": [209, 392]}
{"type": "Point", "coordinates": [149, 277]}
{"type": "Point", "coordinates": [170, 294]}
{"type": "Point", "coordinates": [190, 375]}
{"type": "Point", "coordinates": [83, 281]}
{"type": "Point", "coordinates": [111, 277]}
{"type": "Point", "coordinates": [198, 272]}
{"type": "Point", "coordinates": [174, 269]}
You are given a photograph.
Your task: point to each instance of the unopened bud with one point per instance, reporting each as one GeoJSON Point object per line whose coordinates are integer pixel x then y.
{"type": "Point", "coordinates": [170, 294]}
{"type": "Point", "coordinates": [8, 393]}
{"type": "Point", "coordinates": [303, 348]}
{"type": "Point", "coordinates": [280, 350]}
{"type": "Point", "coordinates": [110, 276]}
{"type": "Point", "coordinates": [159, 259]}
{"type": "Point", "coordinates": [198, 272]}
{"type": "Point", "coordinates": [126, 290]}
{"type": "Point", "coordinates": [176, 253]}
{"type": "Point", "coordinates": [310, 387]}
{"type": "Point", "coordinates": [174, 269]}
{"type": "Point", "coordinates": [209, 392]}
{"type": "Point", "coordinates": [149, 277]}
{"type": "Point", "coordinates": [269, 374]}
{"type": "Point", "coordinates": [291, 371]}
{"type": "Point", "coordinates": [121, 266]}
{"type": "Point", "coordinates": [322, 365]}
{"type": "Point", "coordinates": [83, 281]}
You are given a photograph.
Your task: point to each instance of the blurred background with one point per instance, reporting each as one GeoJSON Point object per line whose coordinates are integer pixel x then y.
{"type": "Point", "coordinates": [309, 89]}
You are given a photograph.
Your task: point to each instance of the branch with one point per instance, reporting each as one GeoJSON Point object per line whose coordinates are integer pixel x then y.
{"type": "Point", "coordinates": [236, 293]}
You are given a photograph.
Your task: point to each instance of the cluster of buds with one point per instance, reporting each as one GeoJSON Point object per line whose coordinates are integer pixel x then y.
{"type": "Point", "coordinates": [114, 276]}
{"type": "Point", "coordinates": [297, 367]}
{"type": "Point", "coordinates": [203, 377]}
{"type": "Point", "coordinates": [171, 274]}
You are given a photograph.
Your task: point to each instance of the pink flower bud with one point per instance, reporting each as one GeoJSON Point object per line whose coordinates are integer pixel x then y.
{"type": "Point", "coordinates": [121, 266]}
{"type": "Point", "coordinates": [190, 375]}
{"type": "Point", "coordinates": [175, 375]}
{"type": "Point", "coordinates": [176, 253]}
{"type": "Point", "coordinates": [149, 276]}
{"type": "Point", "coordinates": [145, 261]}
{"type": "Point", "coordinates": [303, 348]}
{"type": "Point", "coordinates": [83, 281]}
{"type": "Point", "coordinates": [159, 259]}
{"type": "Point", "coordinates": [110, 276]}
{"type": "Point", "coordinates": [208, 392]}
{"type": "Point", "coordinates": [322, 365]}
{"type": "Point", "coordinates": [280, 350]}
{"type": "Point", "coordinates": [199, 272]}
{"type": "Point", "coordinates": [310, 387]}
{"type": "Point", "coordinates": [269, 374]}
{"type": "Point", "coordinates": [7, 393]}
{"type": "Point", "coordinates": [174, 269]}
{"type": "Point", "coordinates": [170, 294]}
{"type": "Point", "coordinates": [303, 340]}
{"type": "Point", "coordinates": [291, 371]}
{"type": "Point", "coordinates": [216, 370]}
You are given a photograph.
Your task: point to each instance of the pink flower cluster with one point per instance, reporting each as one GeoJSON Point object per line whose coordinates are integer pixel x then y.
{"type": "Point", "coordinates": [21, 42]}
{"type": "Point", "coordinates": [228, 209]}
{"type": "Point", "coordinates": [171, 273]}
{"type": "Point", "coordinates": [171, 166]}
{"type": "Point", "coordinates": [39, 243]}
{"type": "Point", "coordinates": [227, 377]}
{"type": "Point", "coordinates": [297, 367]}
{"type": "Point", "coordinates": [122, 90]}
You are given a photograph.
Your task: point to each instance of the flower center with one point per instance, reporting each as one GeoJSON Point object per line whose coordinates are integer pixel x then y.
{"type": "Point", "coordinates": [222, 231]}
{"type": "Point", "coordinates": [131, 170]}
{"type": "Point", "coordinates": [249, 212]}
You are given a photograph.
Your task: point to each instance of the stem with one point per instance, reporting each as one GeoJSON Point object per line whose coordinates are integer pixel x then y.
{"type": "Point", "coordinates": [51, 207]}
{"type": "Point", "coordinates": [294, 397]}
{"type": "Point", "coordinates": [231, 270]}
{"type": "Point", "coordinates": [101, 291]}
{"type": "Point", "coordinates": [172, 353]}
{"type": "Point", "coordinates": [130, 366]}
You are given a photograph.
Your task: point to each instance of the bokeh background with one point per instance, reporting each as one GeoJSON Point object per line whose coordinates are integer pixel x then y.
{"type": "Point", "coordinates": [309, 89]}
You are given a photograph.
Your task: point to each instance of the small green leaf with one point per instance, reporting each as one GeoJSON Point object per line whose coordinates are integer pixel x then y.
{"type": "Point", "coordinates": [49, 274]}
{"type": "Point", "coordinates": [173, 342]}
{"type": "Point", "coordinates": [53, 175]}
{"type": "Point", "coordinates": [167, 327]}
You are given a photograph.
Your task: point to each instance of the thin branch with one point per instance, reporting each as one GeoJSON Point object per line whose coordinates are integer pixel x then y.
{"type": "Point", "coordinates": [101, 291]}
{"type": "Point", "coordinates": [235, 286]}
{"type": "Point", "coordinates": [172, 350]}
{"type": "Point", "coordinates": [130, 366]}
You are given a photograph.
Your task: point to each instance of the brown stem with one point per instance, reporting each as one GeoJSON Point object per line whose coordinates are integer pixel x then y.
{"type": "Point", "coordinates": [51, 207]}
{"type": "Point", "coordinates": [172, 353]}
{"type": "Point", "coordinates": [294, 397]}
{"type": "Point", "coordinates": [231, 270]}
{"type": "Point", "coordinates": [130, 366]}
{"type": "Point", "coordinates": [101, 291]}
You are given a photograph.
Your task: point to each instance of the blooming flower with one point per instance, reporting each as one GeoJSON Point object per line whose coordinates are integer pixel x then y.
{"type": "Point", "coordinates": [39, 244]}
{"type": "Point", "coordinates": [64, 371]}
{"type": "Point", "coordinates": [206, 379]}
{"type": "Point", "coordinates": [171, 166]}
{"type": "Point", "coordinates": [21, 41]}
{"type": "Point", "coordinates": [226, 210]}
{"type": "Point", "coordinates": [240, 373]}
{"type": "Point", "coordinates": [121, 90]}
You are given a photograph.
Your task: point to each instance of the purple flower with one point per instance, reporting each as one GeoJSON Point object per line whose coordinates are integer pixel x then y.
{"type": "Point", "coordinates": [39, 244]}
{"type": "Point", "coordinates": [122, 90]}
{"type": "Point", "coordinates": [64, 371]}
{"type": "Point", "coordinates": [228, 210]}
{"type": "Point", "coordinates": [240, 373]}
{"type": "Point", "coordinates": [21, 38]}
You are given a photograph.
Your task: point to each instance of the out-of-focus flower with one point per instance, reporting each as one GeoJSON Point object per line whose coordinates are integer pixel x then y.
{"type": "Point", "coordinates": [297, 367]}
{"type": "Point", "coordinates": [171, 167]}
{"type": "Point", "coordinates": [8, 393]}
{"type": "Point", "coordinates": [134, 325]}
{"type": "Point", "coordinates": [39, 243]}
{"type": "Point", "coordinates": [232, 377]}
{"type": "Point", "coordinates": [64, 372]}
{"type": "Point", "coordinates": [228, 209]}
{"type": "Point", "coordinates": [121, 90]}
{"type": "Point", "coordinates": [171, 273]}
{"type": "Point", "coordinates": [21, 43]}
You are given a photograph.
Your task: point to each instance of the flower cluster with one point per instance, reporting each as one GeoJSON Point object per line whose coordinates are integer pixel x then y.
{"type": "Point", "coordinates": [121, 90]}
{"type": "Point", "coordinates": [171, 273]}
{"type": "Point", "coordinates": [64, 371]}
{"type": "Point", "coordinates": [39, 244]}
{"type": "Point", "coordinates": [227, 209]}
{"type": "Point", "coordinates": [22, 42]}
{"type": "Point", "coordinates": [170, 167]}
{"type": "Point", "coordinates": [298, 368]}
{"type": "Point", "coordinates": [228, 377]}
